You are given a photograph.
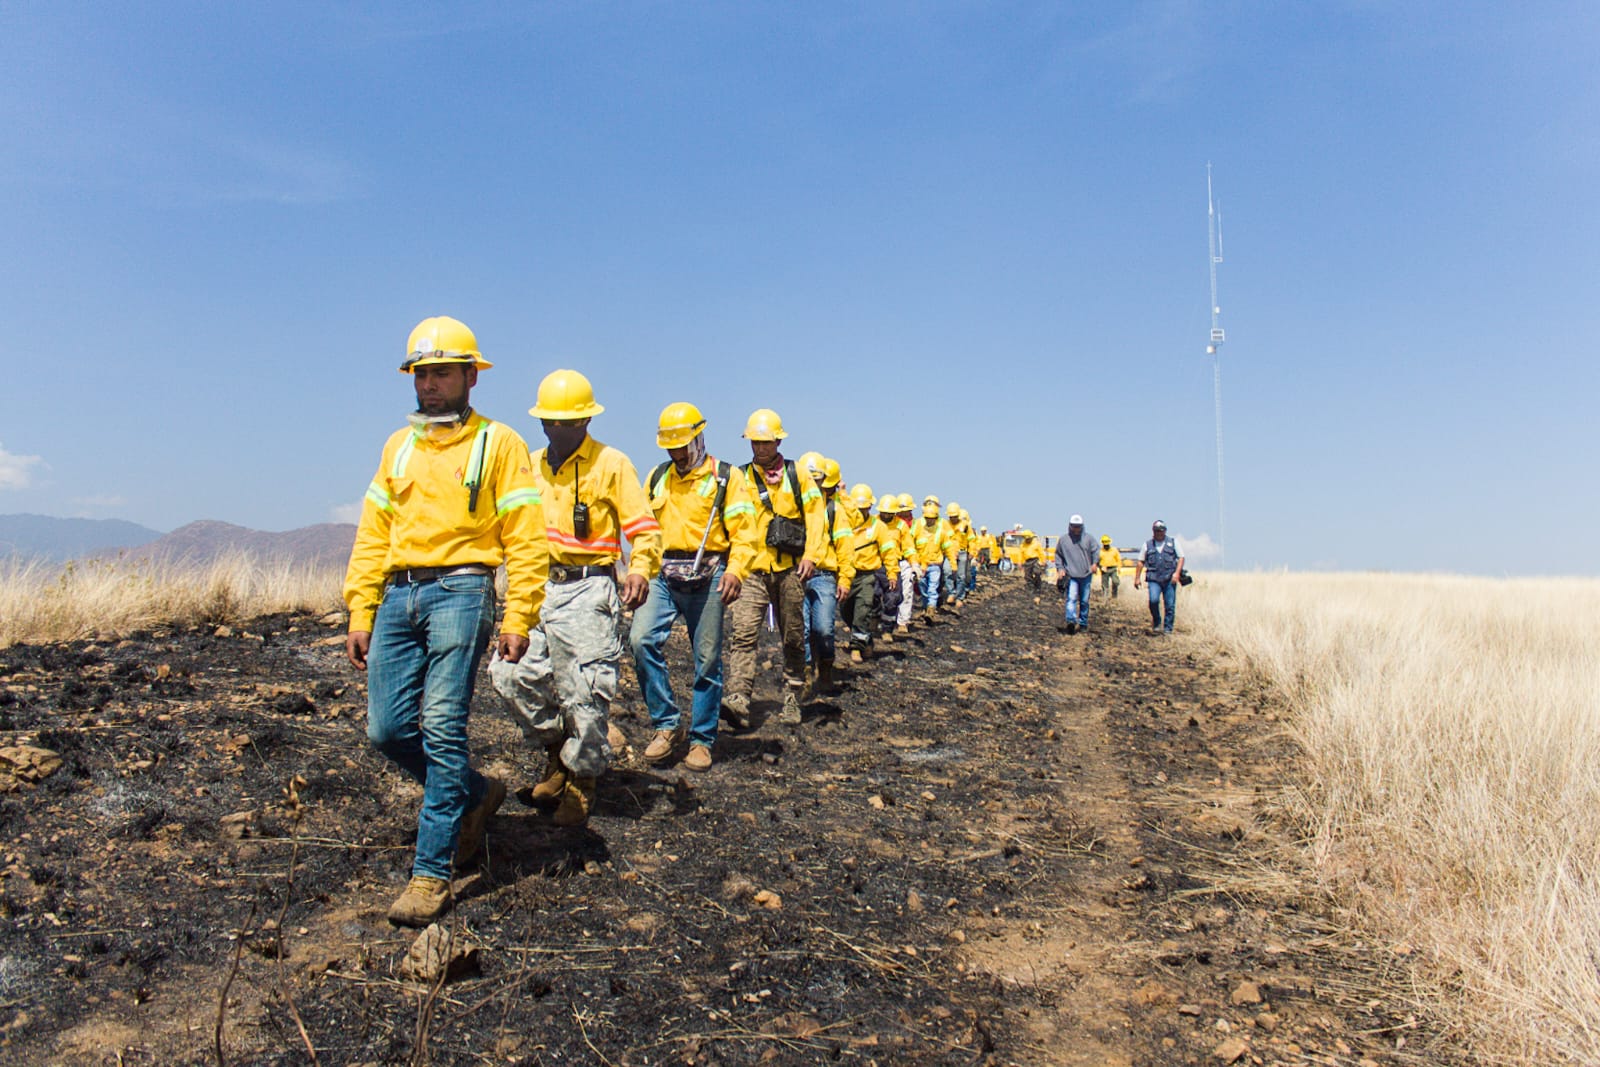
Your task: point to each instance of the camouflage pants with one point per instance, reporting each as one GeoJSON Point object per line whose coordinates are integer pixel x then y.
{"type": "Point", "coordinates": [560, 691]}
{"type": "Point", "coordinates": [784, 591]}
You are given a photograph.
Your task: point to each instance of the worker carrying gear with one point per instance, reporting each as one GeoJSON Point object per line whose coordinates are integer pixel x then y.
{"type": "Point", "coordinates": [561, 692]}
{"type": "Point", "coordinates": [791, 537]}
{"type": "Point", "coordinates": [707, 515]}
{"type": "Point", "coordinates": [420, 587]}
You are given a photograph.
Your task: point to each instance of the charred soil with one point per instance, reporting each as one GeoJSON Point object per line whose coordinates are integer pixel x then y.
{"type": "Point", "coordinates": [997, 844]}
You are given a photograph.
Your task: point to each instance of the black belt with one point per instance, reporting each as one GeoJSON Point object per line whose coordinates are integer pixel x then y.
{"type": "Point", "coordinates": [673, 553]}
{"type": "Point", "coordinates": [418, 575]}
{"type": "Point", "coordinates": [560, 575]}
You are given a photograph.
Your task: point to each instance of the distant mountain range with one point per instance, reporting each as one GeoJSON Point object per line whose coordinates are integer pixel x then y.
{"type": "Point", "coordinates": [45, 537]}
{"type": "Point", "coordinates": [40, 536]}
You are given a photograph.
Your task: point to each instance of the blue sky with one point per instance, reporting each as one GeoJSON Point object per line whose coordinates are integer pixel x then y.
{"type": "Point", "coordinates": [961, 247]}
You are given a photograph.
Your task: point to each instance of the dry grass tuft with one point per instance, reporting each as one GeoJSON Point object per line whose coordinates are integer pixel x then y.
{"type": "Point", "coordinates": [1453, 729]}
{"type": "Point", "coordinates": [103, 598]}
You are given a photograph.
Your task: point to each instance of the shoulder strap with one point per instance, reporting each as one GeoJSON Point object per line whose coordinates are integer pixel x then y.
{"type": "Point", "coordinates": [656, 476]}
{"type": "Point", "coordinates": [794, 484]}
{"type": "Point", "coordinates": [830, 517]}
{"type": "Point", "coordinates": [719, 503]}
{"type": "Point", "coordinates": [760, 481]}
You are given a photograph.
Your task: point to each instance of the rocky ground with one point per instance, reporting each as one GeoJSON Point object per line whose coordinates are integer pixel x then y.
{"type": "Point", "coordinates": [1000, 844]}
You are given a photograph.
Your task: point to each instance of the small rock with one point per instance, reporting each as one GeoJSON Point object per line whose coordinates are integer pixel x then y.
{"type": "Point", "coordinates": [592, 869]}
{"type": "Point", "coordinates": [628, 876]}
{"type": "Point", "coordinates": [435, 953]}
{"type": "Point", "coordinates": [875, 802]}
{"type": "Point", "coordinates": [26, 765]}
{"type": "Point", "coordinates": [1231, 1050]}
{"type": "Point", "coordinates": [1189, 1009]}
{"type": "Point", "coordinates": [767, 899]}
{"type": "Point", "coordinates": [928, 796]}
{"type": "Point", "coordinates": [738, 887]}
{"type": "Point", "coordinates": [958, 936]}
{"type": "Point", "coordinates": [1246, 993]}
{"type": "Point", "coordinates": [333, 618]}
{"type": "Point", "coordinates": [1268, 1021]}
{"type": "Point", "coordinates": [914, 902]}
{"type": "Point", "coordinates": [222, 631]}
{"type": "Point", "coordinates": [238, 825]}
{"type": "Point", "coordinates": [329, 642]}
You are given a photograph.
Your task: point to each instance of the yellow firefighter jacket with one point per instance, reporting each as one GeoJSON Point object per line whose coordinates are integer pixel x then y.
{"type": "Point", "coordinates": [877, 546]}
{"type": "Point", "coordinates": [1110, 558]}
{"type": "Point", "coordinates": [808, 509]}
{"type": "Point", "coordinates": [605, 480]}
{"type": "Point", "coordinates": [682, 505]}
{"type": "Point", "coordinates": [417, 513]}
{"type": "Point", "coordinates": [934, 542]}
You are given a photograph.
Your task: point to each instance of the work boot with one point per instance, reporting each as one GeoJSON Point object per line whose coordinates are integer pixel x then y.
{"type": "Point", "coordinates": [856, 657]}
{"type": "Point", "coordinates": [699, 758]}
{"type": "Point", "coordinates": [662, 744]}
{"type": "Point", "coordinates": [424, 900]}
{"type": "Point", "coordinates": [616, 738]}
{"type": "Point", "coordinates": [886, 637]}
{"type": "Point", "coordinates": [927, 616]}
{"type": "Point", "coordinates": [1072, 627]}
{"type": "Point", "coordinates": [825, 684]}
{"type": "Point", "coordinates": [575, 802]}
{"type": "Point", "coordinates": [736, 709]}
{"type": "Point", "coordinates": [902, 629]}
{"type": "Point", "coordinates": [554, 781]}
{"type": "Point", "coordinates": [790, 715]}
{"type": "Point", "coordinates": [476, 822]}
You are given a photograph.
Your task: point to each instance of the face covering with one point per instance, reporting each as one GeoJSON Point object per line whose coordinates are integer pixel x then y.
{"type": "Point", "coordinates": [694, 454]}
{"type": "Point", "coordinates": [438, 425]}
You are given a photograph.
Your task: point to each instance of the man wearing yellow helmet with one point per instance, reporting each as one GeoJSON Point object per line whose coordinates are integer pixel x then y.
{"type": "Point", "coordinates": [910, 570]}
{"type": "Point", "coordinates": [936, 551]}
{"type": "Point", "coordinates": [707, 518]}
{"type": "Point", "coordinates": [1110, 567]}
{"type": "Point", "coordinates": [453, 499]}
{"type": "Point", "coordinates": [790, 535]}
{"type": "Point", "coordinates": [560, 693]}
{"type": "Point", "coordinates": [828, 587]}
{"type": "Point", "coordinates": [1032, 559]}
{"type": "Point", "coordinates": [877, 551]}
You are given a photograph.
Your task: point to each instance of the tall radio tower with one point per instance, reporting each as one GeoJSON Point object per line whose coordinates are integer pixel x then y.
{"type": "Point", "coordinates": [1213, 349]}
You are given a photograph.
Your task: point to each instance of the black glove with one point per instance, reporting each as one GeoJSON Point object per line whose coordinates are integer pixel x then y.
{"type": "Point", "coordinates": [1061, 584]}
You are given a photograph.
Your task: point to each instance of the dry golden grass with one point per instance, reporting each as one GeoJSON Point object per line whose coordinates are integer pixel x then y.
{"type": "Point", "coordinates": [53, 602]}
{"type": "Point", "coordinates": [1452, 727]}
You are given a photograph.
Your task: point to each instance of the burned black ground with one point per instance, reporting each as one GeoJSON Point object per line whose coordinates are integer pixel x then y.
{"type": "Point", "coordinates": [997, 844]}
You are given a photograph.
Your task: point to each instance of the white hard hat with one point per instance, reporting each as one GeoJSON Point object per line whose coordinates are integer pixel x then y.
{"type": "Point", "coordinates": [1076, 520]}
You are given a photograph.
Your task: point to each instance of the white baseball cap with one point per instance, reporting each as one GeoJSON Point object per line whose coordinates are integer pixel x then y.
{"type": "Point", "coordinates": [1076, 520]}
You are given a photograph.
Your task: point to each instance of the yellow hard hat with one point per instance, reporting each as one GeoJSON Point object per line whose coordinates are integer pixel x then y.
{"type": "Point", "coordinates": [983, 529]}
{"type": "Point", "coordinates": [1105, 539]}
{"type": "Point", "coordinates": [954, 509]}
{"type": "Point", "coordinates": [441, 339]}
{"type": "Point", "coordinates": [565, 394]}
{"type": "Point", "coordinates": [1029, 533]}
{"type": "Point", "coordinates": [830, 473]}
{"type": "Point", "coordinates": [861, 496]}
{"type": "Point", "coordinates": [931, 499]}
{"type": "Point", "coordinates": [903, 502]}
{"type": "Point", "coordinates": [930, 511]}
{"type": "Point", "coordinates": [811, 463]}
{"type": "Point", "coordinates": [888, 504]}
{"type": "Point", "coordinates": [679, 424]}
{"type": "Point", "coordinates": [764, 425]}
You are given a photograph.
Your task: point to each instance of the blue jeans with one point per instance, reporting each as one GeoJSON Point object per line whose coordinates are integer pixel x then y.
{"type": "Point", "coordinates": [1159, 592]}
{"type": "Point", "coordinates": [821, 609]}
{"type": "Point", "coordinates": [932, 579]}
{"type": "Point", "coordinates": [1078, 599]}
{"type": "Point", "coordinates": [973, 566]}
{"type": "Point", "coordinates": [652, 622]}
{"type": "Point", "coordinates": [427, 641]}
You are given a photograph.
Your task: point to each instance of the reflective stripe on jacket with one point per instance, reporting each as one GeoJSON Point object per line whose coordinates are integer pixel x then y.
{"type": "Point", "coordinates": [417, 514]}
{"type": "Point", "coordinates": [607, 482]}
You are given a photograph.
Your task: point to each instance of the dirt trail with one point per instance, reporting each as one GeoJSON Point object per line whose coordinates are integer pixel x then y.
{"type": "Point", "coordinates": [999, 844]}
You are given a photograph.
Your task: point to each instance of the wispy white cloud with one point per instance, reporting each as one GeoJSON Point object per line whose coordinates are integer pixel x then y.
{"type": "Point", "coordinates": [345, 512]}
{"type": "Point", "coordinates": [1199, 546]}
{"type": "Point", "coordinates": [16, 472]}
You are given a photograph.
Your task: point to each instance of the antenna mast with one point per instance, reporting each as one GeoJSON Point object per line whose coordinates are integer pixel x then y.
{"type": "Point", "coordinates": [1213, 349]}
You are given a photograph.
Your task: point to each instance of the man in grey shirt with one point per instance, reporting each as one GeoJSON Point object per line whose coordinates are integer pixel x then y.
{"type": "Point", "coordinates": [1077, 557]}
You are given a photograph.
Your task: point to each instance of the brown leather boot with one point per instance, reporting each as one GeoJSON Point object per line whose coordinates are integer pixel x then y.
{"type": "Point", "coordinates": [424, 900]}
{"type": "Point", "coordinates": [825, 684]}
{"type": "Point", "coordinates": [554, 781]}
{"type": "Point", "coordinates": [475, 823]}
{"type": "Point", "coordinates": [575, 802]}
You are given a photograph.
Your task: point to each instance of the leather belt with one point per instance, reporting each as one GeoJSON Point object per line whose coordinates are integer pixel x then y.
{"type": "Point", "coordinates": [418, 575]}
{"type": "Point", "coordinates": [561, 575]}
{"type": "Point", "coordinates": [673, 553]}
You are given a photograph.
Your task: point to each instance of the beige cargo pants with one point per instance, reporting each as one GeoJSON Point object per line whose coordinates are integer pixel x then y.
{"type": "Point", "coordinates": [785, 592]}
{"type": "Point", "coordinates": [560, 691]}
